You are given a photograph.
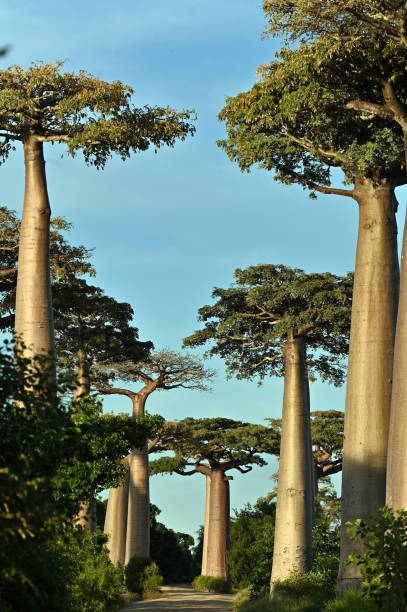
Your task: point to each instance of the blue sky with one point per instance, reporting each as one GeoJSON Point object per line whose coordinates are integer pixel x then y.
{"type": "Point", "coordinates": [167, 228]}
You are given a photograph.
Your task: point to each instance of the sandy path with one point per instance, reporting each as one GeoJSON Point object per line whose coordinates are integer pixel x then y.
{"type": "Point", "coordinates": [183, 598]}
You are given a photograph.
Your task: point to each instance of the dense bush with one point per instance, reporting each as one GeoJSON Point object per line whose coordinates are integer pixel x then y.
{"type": "Point", "coordinates": [52, 457]}
{"type": "Point", "coordinates": [384, 565]}
{"type": "Point", "coordinates": [210, 584]}
{"type": "Point", "coordinates": [171, 551]}
{"type": "Point", "coordinates": [252, 538]}
{"type": "Point", "coordinates": [352, 601]}
{"type": "Point", "coordinates": [95, 585]}
{"type": "Point", "coordinates": [251, 546]}
{"type": "Point", "coordinates": [142, 576]}
{"type": "Point", "coordinates": [308, 601]}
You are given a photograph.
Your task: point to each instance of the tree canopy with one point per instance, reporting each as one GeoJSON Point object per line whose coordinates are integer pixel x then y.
{"type": "Point", "coordinates": [162, 370]}
{"type": "Point", "coordinates": [295, 120]}
{"type": "Point", "coordinates": [249, 323]}
{"type": "Point", "coordinates": [82, 111]}
{"type": "Point", "coordinates": [200, 445]}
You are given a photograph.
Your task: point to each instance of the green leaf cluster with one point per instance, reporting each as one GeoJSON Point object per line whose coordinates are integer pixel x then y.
{"type": "Point", "coordinates": [52, 457]}
{"type": "Point", "coordinates": [384, 565]}
{"type": "Point", "coordinates": [217, 443]}
{"type": "Point", "coordinates": [251, 321]}
{"type": "Point", "coordinates": [82, 111]}
{"type": "Point", "coordinates": [295, 122]}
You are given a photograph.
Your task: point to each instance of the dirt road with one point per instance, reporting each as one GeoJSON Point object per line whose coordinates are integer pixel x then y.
{"type": "Point", "coordinates": [183, 599]}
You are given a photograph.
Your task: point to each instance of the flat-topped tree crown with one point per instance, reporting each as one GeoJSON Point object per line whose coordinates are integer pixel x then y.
{"type": "Point", "coordinates": [267, 306]}
{"type": "Point", "coordinates": [46, 105]}
{"type": "Point", "coordinates": [88, 319]}
{"type": "Point", "coordinates": [219, 443]}
{"type": "Point", "coordinates": [294, 121]}
{"type": "Point", "coordinates": [339, 19]}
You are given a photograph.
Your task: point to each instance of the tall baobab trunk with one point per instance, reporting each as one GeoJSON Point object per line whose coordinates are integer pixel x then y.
{"type": "Point", "coordinates": [293, 528]}
{"type": "Point", "coordinates": [312, 484]}
{"type": "Point", "coordinates": [82, 386]}
{"type": "Point", "coordinates": [116, 520]}
{"type": "Point", "coordinates": [218, 526]}
{"type": "Point", "coordinates": [396, 482]}
{"type": "Point", "coordinates": [369, 384]}
{"type": "Point", "coordinates": [34, 319]}
{"type": "Point", "coordinates": [138, 514]}
{"type": "Point", "coordinates": [87, 512]}
{"type": "Point", "coordinates": [206, 527]}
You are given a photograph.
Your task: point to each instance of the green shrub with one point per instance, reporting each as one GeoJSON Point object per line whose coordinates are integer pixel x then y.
{"type": "Point", "coordinates": [97, 585]}
{"type": "Point", "coordinates": [312, 584]}
{"type": "Point", "coordinates": [142, 576]}
{"type": "Point", "coordinates": [251, 547]}
{"type": "Point", "coordinates": [210, 584]}
{"type": "Point", "coordinates": [242, 597]}
{"type": "Point", "coordinates": [152, 579]}
{"type": "Point", "coordinates": [352, 601]}
{"type": "Point", "coordinates": [301, 604]}
{"type": "Point", "coordinates": [384, 565]}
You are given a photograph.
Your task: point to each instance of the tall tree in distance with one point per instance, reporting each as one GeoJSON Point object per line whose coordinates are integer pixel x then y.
{"type": "Point", "coordinates": [91, 327]}
{"type": "Point", "coordinates": [67, 262]}
{"type": "Point", "coordinates": [213, 447]}
{"type": "Point", "coordinates": [297, 126]}
{"type": "Point", "coordinates": [280, 321]}
{"type": "Point", "coordinates": [43, 104]}
{"type": "Point", "coordinates": [376, 34]}
{"type": "Point", "coordinates": [163, 370]}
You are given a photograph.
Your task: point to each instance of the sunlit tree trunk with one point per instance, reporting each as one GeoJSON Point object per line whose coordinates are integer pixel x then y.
{"type": "Point", "coordinates": [116, 520]}
{"type": "Point", "coordinates": [82, 386]}
{"type": "Point", "coordinates": [206, 527]}
{"type": "Point", "coordinates": [138, 514]}
{"type": "Point", "coordinates": [396, 482]}
{"type": "Point", "coordinates": [34, 319]}
{"type": "Point", "coordinates": [369, 384]}
{"type": "Point", "coordinates": [218, 526]}
{"type": "Point", "coordinates": [293, 528]}
{"type": "Point", "coordinates": [87, 512]}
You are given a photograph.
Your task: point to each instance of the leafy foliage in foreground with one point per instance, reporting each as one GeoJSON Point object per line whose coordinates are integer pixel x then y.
{"type": "Point", "coordinates": [210, 584]}
{"type": "Point", "coordinates": [51, 458]}
{"type": "Point", "coordinates": [143, 576]}
{"type": "Point", "coordinates": [384, 565]}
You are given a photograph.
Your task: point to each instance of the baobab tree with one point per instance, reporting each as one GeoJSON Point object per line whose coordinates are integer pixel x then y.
{"type": "Point", "coordinates": [43, 104]}
{"type": "Point", "coordinates": [297, 126]}
{"type": "Point", "coordinates": [67, 261]}
{"type": "Point", "coordinates": [129, 506]}
{"type": "Point", "coordinates": [327, 443]}
{"type": "Point", "coordinates": [213, 447]}
{"type": "Point", "coordinates": [275, 320]}
{"type": "Point", "coordinates": [92, 327]}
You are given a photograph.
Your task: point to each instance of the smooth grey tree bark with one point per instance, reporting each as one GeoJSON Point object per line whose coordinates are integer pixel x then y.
{"type": "Point", "coordinates": [34, 318]}
{"type": "Point", "coordinates": [396, 482]}
{"type": "Point", "coordinates": [206, 526]}
{"type": "Point", "coordinates": [218, 526]}
{"type": "Point", "coordinates": [116, 520]}
{"type": "Point", "coordinates": [369, 383]}
{"type": "Point", "coordinates": [293, 527]}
